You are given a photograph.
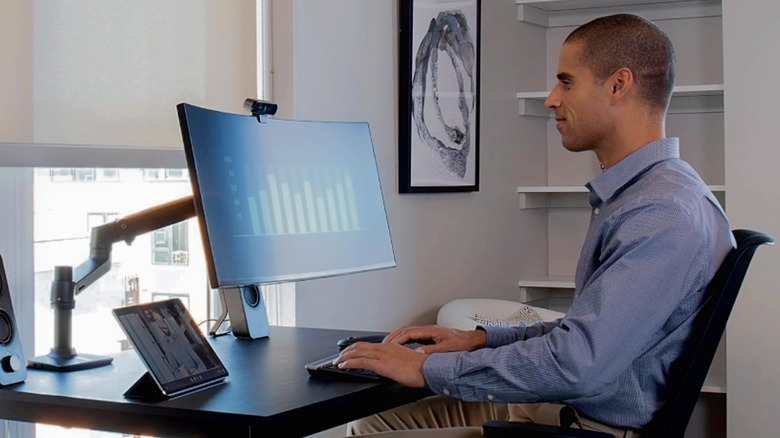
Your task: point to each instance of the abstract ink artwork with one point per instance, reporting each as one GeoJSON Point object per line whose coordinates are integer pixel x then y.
{"type": "Point", "coordinates": [439, 95]}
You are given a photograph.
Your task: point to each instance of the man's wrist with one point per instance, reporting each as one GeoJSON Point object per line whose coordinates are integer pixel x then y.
{"type": "Point", "coordinates": [480, 338]}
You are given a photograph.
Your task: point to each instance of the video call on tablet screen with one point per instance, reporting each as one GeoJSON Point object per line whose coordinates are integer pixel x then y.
{"type": "Point", "coordinates": [172, 347]}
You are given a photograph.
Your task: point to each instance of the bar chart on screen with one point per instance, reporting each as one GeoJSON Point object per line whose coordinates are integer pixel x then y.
{"type": "Point", "coordinates": [298, 200]}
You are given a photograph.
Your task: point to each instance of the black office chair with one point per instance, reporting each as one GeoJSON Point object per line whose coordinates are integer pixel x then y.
{"type": "Point", "coordinates": [689, 371]}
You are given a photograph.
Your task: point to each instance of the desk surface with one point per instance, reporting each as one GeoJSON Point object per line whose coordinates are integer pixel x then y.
{"type": "Point", "coordinates": [268, 393]}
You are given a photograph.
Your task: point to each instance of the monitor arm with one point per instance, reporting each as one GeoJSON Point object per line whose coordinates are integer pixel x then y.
{"type": "Point", "coordinates": [127, 228]}
{"type": "Point", "coordinates": [69, 282]}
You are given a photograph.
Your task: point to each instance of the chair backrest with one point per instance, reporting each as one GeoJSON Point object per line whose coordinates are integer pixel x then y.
{"type": "Point", "coordinates": [689, 372]}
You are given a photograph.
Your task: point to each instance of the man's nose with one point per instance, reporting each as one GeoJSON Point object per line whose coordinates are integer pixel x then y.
{"type": "Point", "coordinates": [552, 100]}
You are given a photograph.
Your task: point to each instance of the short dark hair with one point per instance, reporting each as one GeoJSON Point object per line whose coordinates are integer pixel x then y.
{"type": "Point", "coordinates": [625, 40]}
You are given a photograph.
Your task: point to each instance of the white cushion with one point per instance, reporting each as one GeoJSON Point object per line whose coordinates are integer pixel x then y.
{"type": "Point", "coordinates": [467, 313]}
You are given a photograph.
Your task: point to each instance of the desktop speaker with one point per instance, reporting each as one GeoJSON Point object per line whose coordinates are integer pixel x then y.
{"type": "Point", "coordinates": [12, 364]}
{"type": "Point", "coordinates": [248, 319]}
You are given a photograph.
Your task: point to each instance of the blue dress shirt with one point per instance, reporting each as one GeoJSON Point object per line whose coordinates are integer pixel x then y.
{"type": "Point", "coordinates": [657, 235]}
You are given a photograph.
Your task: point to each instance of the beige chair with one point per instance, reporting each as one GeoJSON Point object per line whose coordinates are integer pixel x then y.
{"type": "Point", "coordinates": [467, 313]}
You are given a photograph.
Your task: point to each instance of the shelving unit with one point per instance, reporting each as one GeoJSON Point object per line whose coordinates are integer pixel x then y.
{"type": "Point", "coordinates": [714, 383]}
{"type": "Point", "coordinates": [563, 13]}
{"type": "Point", "coordinates": [551, 282]}
{"type": "Point", "coordinates": [686, 99]}
{"type": "Point", "coordinates": [552, 292]}
{"type": "Point", "coordinates": [556, 200]}
{"type": "Point", "coordinates": [566, 196]}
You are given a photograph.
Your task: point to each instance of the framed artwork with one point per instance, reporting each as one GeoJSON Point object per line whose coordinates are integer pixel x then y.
{"type": "Point", "coordinates": [439, 96]}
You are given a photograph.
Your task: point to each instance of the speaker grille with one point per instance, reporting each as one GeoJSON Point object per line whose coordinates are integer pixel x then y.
{"type": "Point", "coordinates": [251, 295]}
{"type": "Point", "coordinates": [6, 328]}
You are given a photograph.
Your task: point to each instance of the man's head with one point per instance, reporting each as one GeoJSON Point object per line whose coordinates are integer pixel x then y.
{"type": "Point", "coordinates": [615, 76]}
{"type": "Point", "coordinates": [629, 41]}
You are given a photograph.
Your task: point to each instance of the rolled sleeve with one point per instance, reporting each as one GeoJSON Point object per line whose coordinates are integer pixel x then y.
{"type": "Point", "coordinates": [498, 336]}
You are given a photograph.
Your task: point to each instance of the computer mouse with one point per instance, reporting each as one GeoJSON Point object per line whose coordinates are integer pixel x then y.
{"type": "Point", "coordinates": [349, 340]}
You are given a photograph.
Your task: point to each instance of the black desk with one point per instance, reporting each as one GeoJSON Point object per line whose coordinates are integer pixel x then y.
{"type": "Point", "coordinates": [268, 393]}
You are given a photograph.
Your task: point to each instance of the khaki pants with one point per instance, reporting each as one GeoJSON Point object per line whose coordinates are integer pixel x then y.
{"type": "Point", "coordinates": [436, 417]}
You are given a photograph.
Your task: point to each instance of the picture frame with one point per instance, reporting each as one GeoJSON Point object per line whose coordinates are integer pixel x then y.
{"type": "Point", "coordinates": [439, 63]}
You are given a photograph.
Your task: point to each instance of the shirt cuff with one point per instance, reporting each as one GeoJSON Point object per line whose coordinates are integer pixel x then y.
{"type": "Point", "coordinates": [498, 336]}
{"type": "Point", "coordinates": [439, 372]}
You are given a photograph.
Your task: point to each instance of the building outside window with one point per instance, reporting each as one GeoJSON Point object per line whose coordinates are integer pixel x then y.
{"type": "Point", "coordinates": [170, 245]}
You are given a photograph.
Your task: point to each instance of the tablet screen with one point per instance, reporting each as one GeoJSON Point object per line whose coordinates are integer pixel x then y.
{"type": "Point", "coordinates": [174, 350]}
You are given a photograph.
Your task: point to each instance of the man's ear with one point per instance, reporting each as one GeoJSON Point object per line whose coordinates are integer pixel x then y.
{"type": "Point", "coordinates": [621, 81]}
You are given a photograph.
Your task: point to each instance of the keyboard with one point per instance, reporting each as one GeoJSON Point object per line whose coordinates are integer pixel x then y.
{"type": "Point", "coordinates": [324, 369]}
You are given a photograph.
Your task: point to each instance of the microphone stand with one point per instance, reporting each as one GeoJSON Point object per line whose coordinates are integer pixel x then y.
{"type": "Point", "coordinates": [69, 282]}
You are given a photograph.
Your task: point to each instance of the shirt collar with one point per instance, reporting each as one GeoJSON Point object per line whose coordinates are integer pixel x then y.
{"type": "Point", "coordinates": [614, 178]}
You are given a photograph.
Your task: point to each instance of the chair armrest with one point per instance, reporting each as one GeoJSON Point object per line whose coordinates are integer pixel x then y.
{"type": "Point", "coordinates": [514, 429]}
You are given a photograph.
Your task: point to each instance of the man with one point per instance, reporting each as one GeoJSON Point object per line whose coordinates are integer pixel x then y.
{"type": "Point", "coordinates": [657, 235]}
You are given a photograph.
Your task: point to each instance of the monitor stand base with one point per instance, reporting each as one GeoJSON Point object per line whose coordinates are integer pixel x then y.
{"type": "Point", "coordinates": [75, 362]}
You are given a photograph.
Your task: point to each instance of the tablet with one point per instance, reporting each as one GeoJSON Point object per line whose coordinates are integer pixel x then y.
{"type": "Point", "coordinates": [177, 356]}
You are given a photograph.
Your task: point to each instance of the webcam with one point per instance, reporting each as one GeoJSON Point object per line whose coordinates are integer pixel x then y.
{"type": "Point", "coordinates": [260, 107]}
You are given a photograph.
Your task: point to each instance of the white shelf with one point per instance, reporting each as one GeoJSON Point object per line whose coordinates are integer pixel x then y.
{"type": "Point", "coordinates": [546, 13]}
{"type": "Point", "coordinates": [531, 197]}
{"type": "Point", "coordinates": [582, 189]}
{"type": "Point", "coordinates": [553, 292]}
{"type": "Point", "coordinates": [552, 282]}
{"type": "Point", "coordinates": [686, 99]}
{"type": "Point", "coordinates": [714, 384]}
{"type": "Point", "coordinates": [698, 90]}
{"type": "Point", "coordinates": [552, 189]}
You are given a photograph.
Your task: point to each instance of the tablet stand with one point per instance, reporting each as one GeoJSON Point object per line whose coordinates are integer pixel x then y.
{"type": "Point", "coordinates": [145, 389]}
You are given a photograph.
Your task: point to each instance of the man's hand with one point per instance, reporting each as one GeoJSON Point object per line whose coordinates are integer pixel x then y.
{"type": "Point", "coordinates": [387, 359]}
{"type": "Point", "coordinates": [442, 339]}
{"type": "Point", "coordinates": [393, 360]}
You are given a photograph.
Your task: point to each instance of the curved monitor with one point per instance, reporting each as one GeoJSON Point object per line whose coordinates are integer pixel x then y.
{"type": "Point", "coordinates": [284, 200]}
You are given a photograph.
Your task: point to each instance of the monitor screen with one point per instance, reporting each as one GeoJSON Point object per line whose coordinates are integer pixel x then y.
{"type": "Point", "coordinates": [284, 200]}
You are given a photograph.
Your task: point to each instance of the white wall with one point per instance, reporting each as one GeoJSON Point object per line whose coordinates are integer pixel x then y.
{"type": "Point", "coordinates": [341, 57]}
{"type": "Point", "coordinates": [753, 201]}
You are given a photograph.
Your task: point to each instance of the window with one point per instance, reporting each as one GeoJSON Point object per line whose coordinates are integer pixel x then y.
{"type": "Point", "coordinates": [60, 238]}
{"type": "Point", "coordinates": [166, 175]}
{"type": "Point", "coordinates": [170, 245]}
{"type": "Point", "coordinates": [153, 175]}
{"type": "Point", "coordinates": [176, 175]}
{"type": "Point", "coordinates": [125, 85]}
{"type": "Point", "coordinates": [107, 175]}
{"type": "Point", "coordinates": [72, 175]}
{"type": "Point", "coordinates": [97, 219]}
{"type": "Point", "coordinates": [63, 214]}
